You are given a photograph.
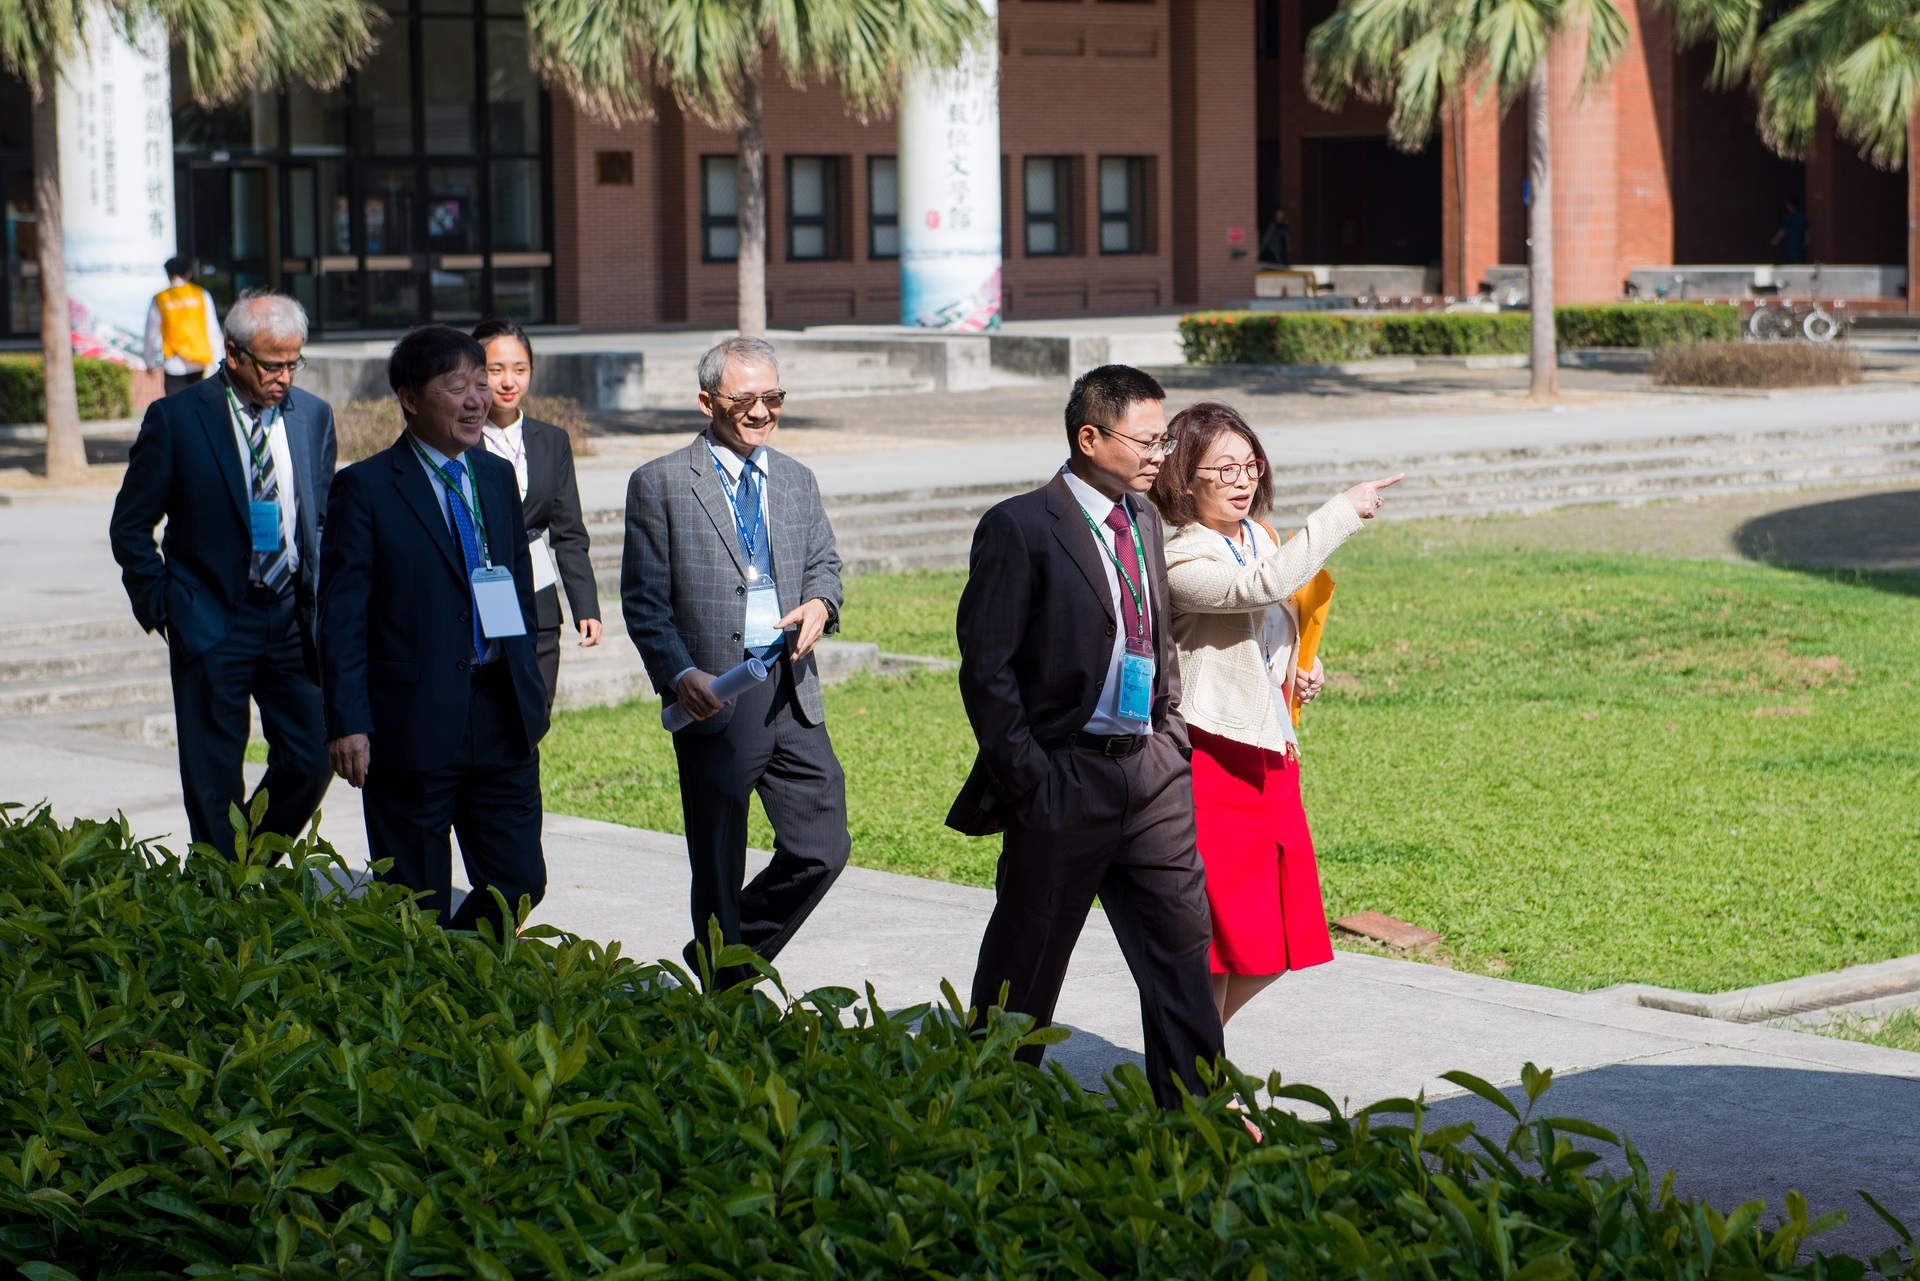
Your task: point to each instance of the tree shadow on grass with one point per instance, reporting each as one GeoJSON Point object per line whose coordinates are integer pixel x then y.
{"type": "Point", "coordinates": [1869, 541]}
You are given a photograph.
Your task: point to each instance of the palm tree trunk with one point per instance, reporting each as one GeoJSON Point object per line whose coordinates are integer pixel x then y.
{"type": "Point", "coordinates": [1546, 354]}
{"type": "Point", "coordinates": [66, 450]}
{"type": "Point", "coordinates": [751, 175]}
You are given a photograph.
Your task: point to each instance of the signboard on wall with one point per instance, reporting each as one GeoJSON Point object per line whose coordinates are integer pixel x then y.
{"type": "Point", "coordinates": [950, 194]}
{"type": "Point", "coordinates": [116, 187]}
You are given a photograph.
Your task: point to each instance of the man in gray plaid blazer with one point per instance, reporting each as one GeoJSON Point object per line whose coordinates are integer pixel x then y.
{"type": "Point", "coordinates": [728, 556]}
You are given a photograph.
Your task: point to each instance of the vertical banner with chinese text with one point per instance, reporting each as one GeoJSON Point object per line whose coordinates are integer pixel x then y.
{"type": "Point", "coordinates": [116, 186]}
{"type": "Point", "coordinates": [950, 194]}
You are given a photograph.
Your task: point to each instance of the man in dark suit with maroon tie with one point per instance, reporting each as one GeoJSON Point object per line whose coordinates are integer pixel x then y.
{"type": "Point", "coordinates": [1071, 681]}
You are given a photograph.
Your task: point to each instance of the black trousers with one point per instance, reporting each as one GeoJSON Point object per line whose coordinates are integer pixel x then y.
{"type": "Point", "coordinates": [261, 659]}
{"type": "Point", "coordinates": [180, 382]}
{"type": "Point", "coordinates": [1122, 829]}
{"type": "Point", "coordinates": [546, 652]}
{"type": "Point", "coordinates": [767, 749]}
{"type": "Point", "coordinates": [489, 796]}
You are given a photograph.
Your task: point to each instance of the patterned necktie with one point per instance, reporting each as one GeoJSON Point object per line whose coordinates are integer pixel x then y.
{"type": "Point", "coordinates": [272, 568]}
{"type": "Point", "coordinates": [1130, 571]}
{"type": "Point", "coordinates": [747, 495]}
{"type": "Point", "coordinates": [469, 541]}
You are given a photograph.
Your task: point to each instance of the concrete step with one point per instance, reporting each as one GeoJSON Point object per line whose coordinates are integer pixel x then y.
{"type": "Point", "coordinates": [672, 378]}
{"type": "Point", "coordinates": [22, 635]}
{"type": "Point", "coordinates": [53, 660]}
{"type": "Point", "coordinates": [66, 694]}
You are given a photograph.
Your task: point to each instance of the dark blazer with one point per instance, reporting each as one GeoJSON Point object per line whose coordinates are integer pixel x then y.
{"type": "Point", "coordinates": [1036, 627]}
{"type": "Point", "coordinates": [683, 587]}
{"type": "Point", "coordinates": [396, 631]}
{"type": "Point", "coordinates": [185, 466]}
{"type": "Point", "coordinates": [553, 507]}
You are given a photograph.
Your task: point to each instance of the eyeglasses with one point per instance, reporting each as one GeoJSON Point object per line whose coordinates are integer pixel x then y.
{"type": "Point", "coordinates": [272, 368]}
{"type": "Point", "coordinates": [744, 404]}
{"type": "Point", "coordinates": [1230, 473]}
{"type": "Point", "coordinates": [1158, 447]}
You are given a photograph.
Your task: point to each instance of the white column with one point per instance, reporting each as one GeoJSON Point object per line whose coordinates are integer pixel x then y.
{"type": "Point", "coordinates": [950, 194]}
{"type": "Point", "coordinates": [116, 182]}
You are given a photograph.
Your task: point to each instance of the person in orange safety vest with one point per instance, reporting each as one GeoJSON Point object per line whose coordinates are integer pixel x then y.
{"type": "Point", "coordinates": [183, 330]}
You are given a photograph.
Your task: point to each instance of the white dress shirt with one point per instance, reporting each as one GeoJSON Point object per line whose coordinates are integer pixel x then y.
{"type": "Point", "coordinates": [510, 443]}
{"type": "Point", "coordinates": [731, 467]}
{"type": "Point", "coordinates": [441, 496]}
{"type": "Point", "coordinates": [1106, 718]}
{"type": "Point", "coordinates": [282, 470]}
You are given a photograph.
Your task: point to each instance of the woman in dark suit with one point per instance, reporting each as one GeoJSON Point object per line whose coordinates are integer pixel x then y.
{"type": "Point", "coordinates": [542, 458]}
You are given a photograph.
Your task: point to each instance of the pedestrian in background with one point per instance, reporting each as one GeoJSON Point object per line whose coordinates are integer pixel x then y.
{"type": "Point", "coordinates": [1069, 677]}
{"type": "Point", "coordinates": [542, 458]}
{"type": "Point", "coordinates": [1237, 627]}
{"type": "Point", "coordinates": [729, 556]}
{"type": "Point", "coordinates": [183, 329]}
{"type": "Point", "coordinates": [239, 466]}
{"type": "Point", "coordinates": [435, 705]}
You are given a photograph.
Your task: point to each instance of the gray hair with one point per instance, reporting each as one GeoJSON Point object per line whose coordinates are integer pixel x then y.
{"type": "Point", "coordinates": [261, 313]}
{"type": "Point", "coordinates": [754, 351]}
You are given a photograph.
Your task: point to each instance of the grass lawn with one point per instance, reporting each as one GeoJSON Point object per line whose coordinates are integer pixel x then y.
{"type": "Point", "coordinates": [1583, 769]}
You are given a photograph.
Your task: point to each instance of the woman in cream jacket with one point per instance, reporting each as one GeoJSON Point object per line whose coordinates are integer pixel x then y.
{"type": "Point", "coordinates": [1234, 620]}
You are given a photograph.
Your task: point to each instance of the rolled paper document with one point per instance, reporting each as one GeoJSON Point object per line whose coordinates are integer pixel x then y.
{"type": "Point", "coordinates": [727, 687]}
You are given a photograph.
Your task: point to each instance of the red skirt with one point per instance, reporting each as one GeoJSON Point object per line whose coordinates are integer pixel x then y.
{"type": "Point", "coordinates": [1262, 882]}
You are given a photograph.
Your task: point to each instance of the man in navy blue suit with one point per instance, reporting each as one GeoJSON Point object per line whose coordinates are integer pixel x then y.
{"type": "Point", "coordinates": [434, 700]}
{"type": "Point", "coordinates": [239, 466]}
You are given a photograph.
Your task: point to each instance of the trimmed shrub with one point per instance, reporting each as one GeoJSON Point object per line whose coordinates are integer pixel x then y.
{"type": "Point", "coordinates": [1756, 364]}
{"type": "Point", "coordinates": [363, 428]}
{"type": "Point", "coordinates": [1319, 338]}
{"type": "Point", "coordinates": [222, 1069]}
{"type": "Point", "coordinates": [104, 388]}
{"type": "Point", "coordinates": [1641, 324]}
{"type": "Point", "coordinates": [1439, 333]}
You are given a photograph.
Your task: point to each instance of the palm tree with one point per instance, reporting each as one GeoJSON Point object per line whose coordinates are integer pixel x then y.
{"type": "Point", "coordinates": [1413, 53]}
{"type": "Point", "coordinates": [231, 46]}
{"type": "Point", "coordinates": [710, 55]}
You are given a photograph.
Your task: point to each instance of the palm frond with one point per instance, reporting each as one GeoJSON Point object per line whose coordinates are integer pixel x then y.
{"type": "Point", "coordinates": [232, 47]}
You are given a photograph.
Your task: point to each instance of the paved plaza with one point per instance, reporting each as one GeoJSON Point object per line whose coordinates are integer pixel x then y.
{"type": "Point", "coordinates": [1739, 1110]}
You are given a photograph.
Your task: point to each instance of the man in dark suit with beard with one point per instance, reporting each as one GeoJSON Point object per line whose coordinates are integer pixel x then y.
{"type": "Point", "coordinates": [435, 705]}
{"type": "Point", "coordinates": [1070, 678]}
{"type": "Point", "coordinates": [239, 466]}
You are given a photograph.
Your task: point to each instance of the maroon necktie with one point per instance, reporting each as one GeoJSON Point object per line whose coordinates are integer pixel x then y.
{"type": "Point", "coordinates": [1129, 564]}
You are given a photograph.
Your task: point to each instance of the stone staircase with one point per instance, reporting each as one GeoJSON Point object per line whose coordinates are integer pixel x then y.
{"type": "Point", "coordinates": [932, 528]}
{"type": "Point", "coordinates": [671, 376]}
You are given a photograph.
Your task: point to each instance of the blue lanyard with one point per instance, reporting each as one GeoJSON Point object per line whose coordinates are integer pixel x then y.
{"type": "Point", "coordinates": [457, 492]}
{"type": "Point", "coordinates": [749, 534]}
{"type": "Point", "coordinates": [1242, 561]}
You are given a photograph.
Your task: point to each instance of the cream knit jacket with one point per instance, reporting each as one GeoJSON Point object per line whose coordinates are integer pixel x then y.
{"type": "Point", "coordinates": [1218, 609]}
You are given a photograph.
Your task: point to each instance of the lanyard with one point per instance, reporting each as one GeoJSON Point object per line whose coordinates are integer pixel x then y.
{"type": "Point", "coordinates": [514, 454]}
{"type": "Point", "coordinates": [268, 417]}
{"type": "Point", "coordinates": [1238, 558]}
{"type": "Point", "coordinates": [749, 534]}
{"type": "Point", "coordinates": [456, 490]}
{"type": "Point", "coordinates": [1140, 559]}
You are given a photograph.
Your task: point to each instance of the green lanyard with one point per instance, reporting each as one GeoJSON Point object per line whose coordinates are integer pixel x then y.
{"type": "Point", "coordinates": [1140, 555]}
{"type": "Point", "coordinates": [260, 462]}
{"type": "Point", "coordinates": [455, 489]}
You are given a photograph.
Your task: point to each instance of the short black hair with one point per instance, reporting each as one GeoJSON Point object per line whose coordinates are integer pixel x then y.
{"type": "Point", "coordinates": [501, 327]}
{"type": "Point", "coordinates": [427, 351]}
{"type": "Point", "coordinates": [1102, 397]}
{"type": "Point", "coordinates": [179, 266]}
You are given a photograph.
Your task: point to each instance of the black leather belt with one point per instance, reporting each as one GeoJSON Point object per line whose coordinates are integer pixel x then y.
{"type": "Point", "coordinates": [1114, 745]}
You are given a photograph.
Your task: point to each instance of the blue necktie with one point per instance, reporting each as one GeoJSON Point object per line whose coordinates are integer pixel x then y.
{"type": "Point", "coordinates": [469, 543]}
{"type": "Point", "coordinates": [747, 496]}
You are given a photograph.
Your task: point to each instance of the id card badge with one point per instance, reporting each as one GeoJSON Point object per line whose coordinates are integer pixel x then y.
{"type": "Point", "coordinates": [497, 603]}
{"type": "Point", "coordinates": [762, 631]}
{"type": "Point", "coordinates": [264, 520]}
{"type": "Point", "coordinates": [1136, 687]}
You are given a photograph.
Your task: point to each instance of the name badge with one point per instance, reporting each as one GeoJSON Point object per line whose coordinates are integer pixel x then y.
{"type": "Point", "coordinates": [264, 520]}
{"type": "Point", "coordinates": [497, 603]}
{"type": "Point", "coordinates": [1136, 687]}
{"type": "Point", "coordinates": [762, 631]}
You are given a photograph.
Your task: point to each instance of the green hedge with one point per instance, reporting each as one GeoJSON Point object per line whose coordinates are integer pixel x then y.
{"type": "Point", "coordinates": [215, 1068]}
{"type": "Point", "coordinates": [104, 387]}
{"type": "Point", "coordinates": [1320, 338]}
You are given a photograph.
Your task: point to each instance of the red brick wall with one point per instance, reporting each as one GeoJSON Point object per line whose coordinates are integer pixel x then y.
{"type": "Point", "coordinates": [607, 270]}
{"type": "Point", "coordinates": [1216, 229]}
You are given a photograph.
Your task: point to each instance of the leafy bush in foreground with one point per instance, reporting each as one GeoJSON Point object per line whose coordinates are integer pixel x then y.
{"type": "Point", "coordinates": [220, 1069]}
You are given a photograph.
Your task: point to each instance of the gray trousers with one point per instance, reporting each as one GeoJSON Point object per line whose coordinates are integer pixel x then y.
{"type": "Point", "coordinates": [764, 748]}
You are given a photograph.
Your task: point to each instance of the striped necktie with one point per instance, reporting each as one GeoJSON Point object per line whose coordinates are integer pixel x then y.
{"type": "Point", "coordinates": [272, 568]}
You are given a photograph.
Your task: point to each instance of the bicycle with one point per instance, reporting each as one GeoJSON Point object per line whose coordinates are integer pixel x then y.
{"type": "Point", "coordinates": [1782, 318]}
